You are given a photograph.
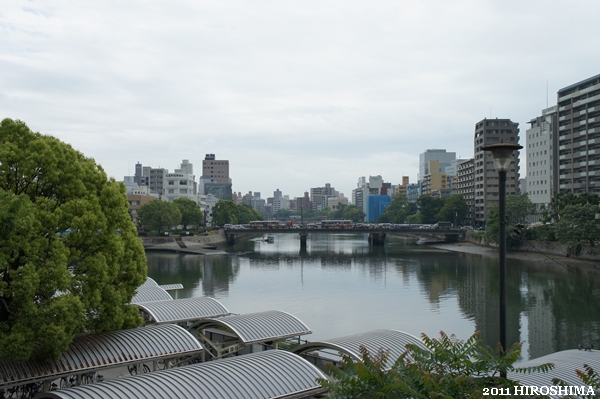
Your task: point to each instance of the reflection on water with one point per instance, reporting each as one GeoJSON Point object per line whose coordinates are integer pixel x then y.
{"type": "Point", "coordinates": [339, 286]}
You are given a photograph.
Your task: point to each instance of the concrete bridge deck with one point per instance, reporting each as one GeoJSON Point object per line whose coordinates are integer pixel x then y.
{"type": "Point", "coordinates": [376, 236]}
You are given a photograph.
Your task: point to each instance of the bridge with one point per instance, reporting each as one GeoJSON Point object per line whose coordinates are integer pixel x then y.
{"type": "Point", "coordinates": [376, 236]}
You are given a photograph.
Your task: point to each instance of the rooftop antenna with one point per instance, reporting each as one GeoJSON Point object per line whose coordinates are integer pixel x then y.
{"type": "Point", "coordinates": [490, 112]}
{"type": "Point", "coordinates": [546, 93]}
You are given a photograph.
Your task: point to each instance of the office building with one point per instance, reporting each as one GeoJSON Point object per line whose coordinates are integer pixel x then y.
{"type": "Point", "coordinates": [215, 169]}
{"type": "Point", "coordinates": [488, 132]}
{"type": "Point", "coordinates": [444, 158]}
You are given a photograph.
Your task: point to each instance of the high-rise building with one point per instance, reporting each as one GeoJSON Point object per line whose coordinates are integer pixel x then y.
{"type": "Point", "coordinates": [215, 178]}
{"type": "Point", "coordinates": [434, 180]}
{"type": "Point", "coordinates": [579, 137]}
{"type": "Point", "coordinates": [445, 160]}
{"type": "Point", "coordinates": [488, 132]}
{"type": "Point", "coordinates": [401, 188]}
{"type": "Point", "coordinates": [319, 195]}
{"type": "Point", "coordinates": [215, 169]}
{"type": "Point", "coordinates": [465, 187]}
{"type": "Point", "coordinates": [541, 140]}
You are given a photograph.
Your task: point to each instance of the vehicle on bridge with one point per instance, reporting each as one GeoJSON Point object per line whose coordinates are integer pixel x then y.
{"type": "Point", "coordinates": [337, 224]}
{"type": "Point", "coordinates": [264, 224]}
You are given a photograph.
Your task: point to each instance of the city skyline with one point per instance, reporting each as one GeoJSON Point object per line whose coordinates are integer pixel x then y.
{"type": "Point", "coordinates": [294, 95]}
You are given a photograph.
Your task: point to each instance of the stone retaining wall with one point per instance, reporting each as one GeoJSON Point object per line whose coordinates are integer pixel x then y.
{"type": "Point", "coordinates": [190, 242]}
{"type": "Point", "coordinates": [586, 252]}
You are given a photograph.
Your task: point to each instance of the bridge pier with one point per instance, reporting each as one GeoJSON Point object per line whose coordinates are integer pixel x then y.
{"type": "Point", "coordinates": [377, 239]}
{"type": "Point", "coordinates": [230, 238]}
{"type": "Point", "coordinates": [303, 236]}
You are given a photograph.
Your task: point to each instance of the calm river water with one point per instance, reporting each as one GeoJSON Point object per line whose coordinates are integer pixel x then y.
{"type": "Point", "coordinates": [341, 286]}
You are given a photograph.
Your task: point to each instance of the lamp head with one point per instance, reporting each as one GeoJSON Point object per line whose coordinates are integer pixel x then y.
{"type": "Point", "coordinates": [502, 153]}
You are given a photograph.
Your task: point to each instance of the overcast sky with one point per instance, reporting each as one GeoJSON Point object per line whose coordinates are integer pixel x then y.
{"type": "Point", "coordinates": [295, 94]}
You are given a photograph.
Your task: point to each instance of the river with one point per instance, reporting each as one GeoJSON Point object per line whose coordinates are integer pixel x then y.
{"type": "Point", "coordinates": [340, 286]}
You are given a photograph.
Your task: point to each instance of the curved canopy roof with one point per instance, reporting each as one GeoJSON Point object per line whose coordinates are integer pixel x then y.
{"type": "Point", "coordinates": [176, 310]}
{"type": "Point", "coordinates": [270, 374]}
{"type": "Point", "coordinates": [150, 282]}
{"type": "Point", "coordinates": [91, 352]}
{"type": "Point", "coordinates": [565, 364]}
{"type": "Point", "coordinates": [271, 325]}
{"type": "Point", "coordinates": [150, 294]}
{"type": "Point", "coordinates": [392, 340]}
{"type": "Point", "coordinates": [168, 287]}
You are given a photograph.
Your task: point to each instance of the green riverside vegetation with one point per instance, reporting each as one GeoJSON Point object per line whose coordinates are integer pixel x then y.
{"type": "Point", "coordinates": [70, 259]}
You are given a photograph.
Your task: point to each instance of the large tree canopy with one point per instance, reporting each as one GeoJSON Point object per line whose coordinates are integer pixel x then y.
{"type": "Point", "coordinates": [191, 215]}
{"type": "Point", "coordinates": [70, 259]}
{"type": "Point", "coordinates": [518, 207]}
{"type": "Point", "coordinates": [159, 215]}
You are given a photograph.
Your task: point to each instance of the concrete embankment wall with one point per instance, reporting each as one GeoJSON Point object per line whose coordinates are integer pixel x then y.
{"type": "Point", "coordinates": [584, 252]}
{"type": "Point", "coordinates": [189, 242]}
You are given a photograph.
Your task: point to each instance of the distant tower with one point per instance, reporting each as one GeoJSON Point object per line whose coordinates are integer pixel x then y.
{"type": "Point", "coordinates": [138, 173]}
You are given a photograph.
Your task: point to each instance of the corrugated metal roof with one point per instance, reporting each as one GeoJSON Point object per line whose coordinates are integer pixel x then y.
{"type": "Point", "coordinates": [259, 327]}
{"type": "Point", "coordinates": [392, 340]}
{"type": "Point", "coordinates": [270, 374]}
{"type": "Point", "coordinates": [171, 286]}
{"type": "Point", "coordinates": [150, 294]}
{"type": "Point", "coordinates": [183, 309]}
{"type": "Point", "coordinates": [565, 364]}
{"type": "Point", "coordinates": [95, 351]}
{"type": "Point", "coordinates": [149, 283]}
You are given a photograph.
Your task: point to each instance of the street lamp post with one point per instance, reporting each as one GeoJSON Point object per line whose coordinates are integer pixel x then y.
{"type": "Point", "coordinates": [503, 155]}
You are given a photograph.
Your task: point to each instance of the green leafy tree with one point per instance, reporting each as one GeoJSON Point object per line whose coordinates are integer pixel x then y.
{"type": "Point", "coordinates": [352, 212]}
{"type": "Point", "coordinates": [70, 260]}
{"type": "Point", "coordinates": [455, 209]}
{"type": "Point", "coordinates": [339, 212]}
{"type": "Point", "coordinates": [224, 212]}
{"type": "Point", "coordinates": [578, 224]}
{"type": "Point", "coordinates": [280, 214]}
{"type": "Point", "coordinates": [429, 207]}
{"type": "Point", "coordinates": [553, 211]}
{"type": "Point", "coordinates": [518, 207]}
{"type": "Point", "coordinates": [447, 368]}
{"type": "Point", "coordinates": [246, 214]}
{"type": "Point", "coordinates": [414, 219]}
{"type": "Point", "coordinates": [159, 215]}
{"type": "Point", "coordinates": [191, 215]}
{"type": "Point", "coordinates": [398, 210]}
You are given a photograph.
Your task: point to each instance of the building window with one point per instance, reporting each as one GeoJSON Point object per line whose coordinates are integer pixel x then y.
{"type": "Point", "coordinates": [171, 182]}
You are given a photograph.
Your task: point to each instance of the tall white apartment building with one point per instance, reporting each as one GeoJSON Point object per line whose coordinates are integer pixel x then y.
{"type": "Point", "coordinates": [539, 147]}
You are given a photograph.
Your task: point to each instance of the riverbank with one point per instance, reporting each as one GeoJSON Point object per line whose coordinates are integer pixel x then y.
{"type": "Point", "coordinates": [550, 259]}
{"type": "Point", "coordinates": [179, 243]}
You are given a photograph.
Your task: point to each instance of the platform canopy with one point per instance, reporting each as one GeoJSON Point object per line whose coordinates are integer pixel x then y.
{"type": "Point", "coordinates": [97, 351]}
{"type": "Point", "coordinates": [392, 340]}
{"type": "Point", "coordinates": [176, 310]}
{"type": "Point", "coordinates": [565, 364]}
{"type": "Point", "coordinates": [272, 325]}
{"type": "Point", "coordinates": [150, 294]}
{"type": "Point", "coordinates": [269, 374]}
